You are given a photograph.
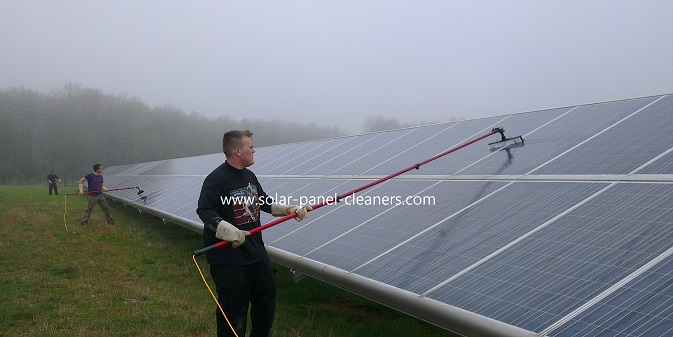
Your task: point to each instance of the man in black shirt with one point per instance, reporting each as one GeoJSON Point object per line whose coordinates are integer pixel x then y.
{"type": "Point", "coordinates": [51, 180]}
{"type": "Point", "coordinates": [229, 206]}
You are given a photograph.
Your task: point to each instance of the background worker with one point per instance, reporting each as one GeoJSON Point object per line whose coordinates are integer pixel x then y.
{"type": "Point", "coordinates": [51, 180]}
{"type": "Point", "coordinates": [242, 271]}
{"type": "Point", "coordinates": [95, 188]}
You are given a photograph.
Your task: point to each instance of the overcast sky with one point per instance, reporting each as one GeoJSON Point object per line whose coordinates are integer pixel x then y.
{"type": "Point", "coordinates": [337, 62]}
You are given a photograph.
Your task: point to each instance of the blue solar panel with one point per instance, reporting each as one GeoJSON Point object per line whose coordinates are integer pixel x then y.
{"type": "Point", "coordinates": [354, 155]}
{"type": "Point", "coordinates": [573, 126]}
{"type": "Point", "coordinates": [291, 162]}
{"type": "Point", "coordinates": [468, 236]}
{"type": "Point", "coordinates": [643, 307]}
{"type": "Point", "coordinates": [622, 148]}
{"type": "Point", "coordinates": [571, 260]}
{"type": "Point", "coordinates": [433, 202]}
{"type": "Point", "coordinates": [360, 209]}
{"type": "Point", "coordinates": [453, 135]}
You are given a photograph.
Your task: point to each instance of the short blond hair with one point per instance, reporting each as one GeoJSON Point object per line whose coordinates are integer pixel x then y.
{"type": "Point", "coordinates": [233, 139]}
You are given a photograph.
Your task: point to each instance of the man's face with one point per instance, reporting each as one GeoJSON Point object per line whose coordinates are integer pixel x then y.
{"type": "Point", "coordinates": [100, 169]}
{"type": "Point", "coordinates": [247, 152]}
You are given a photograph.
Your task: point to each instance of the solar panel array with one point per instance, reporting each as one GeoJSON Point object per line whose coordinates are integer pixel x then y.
{"type": "Point", "coordinates": [571, 234]}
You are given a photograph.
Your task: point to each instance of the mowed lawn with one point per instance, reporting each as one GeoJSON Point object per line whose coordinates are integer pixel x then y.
{"type": "Point", "coordinates": [137, 278]}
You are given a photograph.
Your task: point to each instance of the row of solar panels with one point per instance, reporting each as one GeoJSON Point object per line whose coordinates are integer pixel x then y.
{"type": "Point", "coordinates": [609, 138]}
{"type": "Point", "coordinates": [552, 256]}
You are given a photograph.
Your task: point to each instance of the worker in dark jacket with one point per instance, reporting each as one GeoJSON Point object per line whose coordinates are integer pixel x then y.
{"type": "Point", "coordinates": [51, 180]}
{"type": "Point", "coordinates": [229, 205]}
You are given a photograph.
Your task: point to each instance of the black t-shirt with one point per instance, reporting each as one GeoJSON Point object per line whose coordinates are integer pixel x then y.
{"type": "Point", "coordinates": [235, 196]}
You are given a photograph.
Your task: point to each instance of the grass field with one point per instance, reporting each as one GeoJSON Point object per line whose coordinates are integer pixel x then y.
{"type": "Point", "coordinates": [137, 278]}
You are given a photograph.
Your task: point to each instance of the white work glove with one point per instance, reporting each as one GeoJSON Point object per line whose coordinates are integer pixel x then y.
{"type": "Point", "coordinates": [228, 232]}
{"type": "Point", "coordinates": [81, 189]}
{"type": "Point", "coordinates": [59, 181]}
{"type": "Point", "coordinates": [283, 210]}
{"type": "Point", "coordinates": [104, 189]}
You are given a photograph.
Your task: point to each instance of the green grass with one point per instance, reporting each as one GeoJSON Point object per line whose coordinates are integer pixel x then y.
{"type": "Point", "coordinates": [137, 278]}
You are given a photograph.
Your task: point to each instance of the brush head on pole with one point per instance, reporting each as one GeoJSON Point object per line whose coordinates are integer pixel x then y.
{"type": "Point", "coordinates": [504, 141]}
{"type": "Point", "coordinates": [508, 142]}
{"type": "Point", "coordinates": [140, 191]}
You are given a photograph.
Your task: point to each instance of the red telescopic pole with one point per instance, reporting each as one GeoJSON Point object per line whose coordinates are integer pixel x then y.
{"type": "Point", "coordinates": [110, 190]}
{"type": "Point", "coordinates": [292, 216]}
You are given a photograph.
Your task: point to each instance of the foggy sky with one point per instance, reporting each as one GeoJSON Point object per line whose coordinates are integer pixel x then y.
{"type": "Point", "coordinates": [337, 62]}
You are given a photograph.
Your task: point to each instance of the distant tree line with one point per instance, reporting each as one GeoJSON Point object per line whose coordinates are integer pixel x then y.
{"type": "Point", "coordinates": [71, 128]}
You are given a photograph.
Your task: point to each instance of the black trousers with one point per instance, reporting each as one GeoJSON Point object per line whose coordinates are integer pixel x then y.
{"type": "Point", "coordinates": [239, 285]}
{"type": "Point", "coordinates": [53, 187]}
